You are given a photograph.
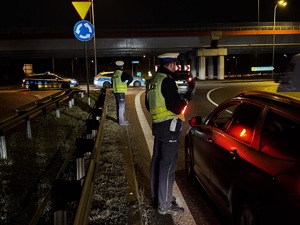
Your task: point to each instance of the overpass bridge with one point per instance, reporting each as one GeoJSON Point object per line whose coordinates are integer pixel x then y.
{"type": "Point", "coordinates": [152, 40]}
{"type": "Point", "coordinates": [192, 41]}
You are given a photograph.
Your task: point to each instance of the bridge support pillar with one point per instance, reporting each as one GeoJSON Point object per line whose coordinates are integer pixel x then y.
{"type": "Point", "coordinates": [193, 65]}
{"type": "Point", "coordinates": [210, 68]}
{"type": "Point", "coordinates": [202, 68]}
{"type": "Point", "coordinates": [211, 53]}
{"type": "Point", "coordinates": [221, 67]}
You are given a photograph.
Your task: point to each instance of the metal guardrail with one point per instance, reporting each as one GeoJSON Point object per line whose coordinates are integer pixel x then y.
{"type": "Point", "coordinates": [85, 191]}
{"type": "Point", "coordinates": [84, 206]}
{"type": "Point", "coordinates": [25, 113]}
{"type": "Point", "coordinates": [57, 192]}
{"type": "Point", "coordinates": [86, 182]}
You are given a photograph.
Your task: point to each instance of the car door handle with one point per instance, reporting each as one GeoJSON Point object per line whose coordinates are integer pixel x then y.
{"type": "Point", "coordinates": [234, 153]}
{"type": "Point", "coordinates": [209, 140]}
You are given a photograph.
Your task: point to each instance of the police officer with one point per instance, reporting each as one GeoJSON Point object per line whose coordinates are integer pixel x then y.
{"type": "Point", "coordinates": [167, 111]}
{"type": "Point", "coordinates": [120, 82]}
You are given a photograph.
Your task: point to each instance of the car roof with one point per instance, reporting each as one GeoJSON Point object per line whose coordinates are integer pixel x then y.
{"type": "Point", "coordinates": [105, 73]}
{"type": "Point", "coordinates": [285, 104]}
{"type": "Point", "coordinates": [41, 75]}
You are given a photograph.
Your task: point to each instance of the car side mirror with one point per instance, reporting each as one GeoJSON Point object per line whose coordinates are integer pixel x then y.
{"type": "Point", "coordinates": [195, 121]}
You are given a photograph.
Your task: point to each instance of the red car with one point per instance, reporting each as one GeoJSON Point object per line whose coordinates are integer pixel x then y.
{"type": "Point", "coordinates": [246, 156]}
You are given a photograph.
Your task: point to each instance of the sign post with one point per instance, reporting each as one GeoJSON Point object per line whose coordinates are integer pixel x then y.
{"type": "Point", "coordinates": [84, 31]}
{"type": "Point", "coordinates": [135, 62]}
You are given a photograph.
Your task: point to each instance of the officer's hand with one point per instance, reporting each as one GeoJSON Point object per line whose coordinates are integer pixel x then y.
{"type": "Point", "coordinates": [188, 95]}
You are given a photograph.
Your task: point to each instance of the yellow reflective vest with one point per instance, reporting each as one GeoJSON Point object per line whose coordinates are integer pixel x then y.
{"type": "Point", "coordinates": [157, 104]}
{"type": "Point", "coordinates": [118, 85]}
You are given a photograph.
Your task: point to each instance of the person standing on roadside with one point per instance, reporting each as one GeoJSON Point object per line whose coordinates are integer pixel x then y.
{"type": "Point", "coordinates": [120, 82]}
{"type": "Point", "coordinates": [166, 108]}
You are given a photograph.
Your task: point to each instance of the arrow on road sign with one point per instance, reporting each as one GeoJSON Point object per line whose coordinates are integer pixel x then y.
{"type": "Point", "coordinates": [84, 30]}
{"type": "Point", "coordinates": [187, 67]}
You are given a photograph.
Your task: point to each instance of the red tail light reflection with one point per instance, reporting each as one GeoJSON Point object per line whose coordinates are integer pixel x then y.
{"type": "Point", "coordinates": [243, 133]}
{"type": "Point", "coordinates": [183, 111]}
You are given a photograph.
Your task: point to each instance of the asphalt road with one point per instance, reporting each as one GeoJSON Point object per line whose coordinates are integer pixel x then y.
{"type": "Point", "coordinates": [12, 98]}
{"type": "Point", "coordinates": [199, 209]}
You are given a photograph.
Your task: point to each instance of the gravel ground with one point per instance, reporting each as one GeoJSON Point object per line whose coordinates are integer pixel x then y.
{"type": "Point", "coordinates": [115, 198]}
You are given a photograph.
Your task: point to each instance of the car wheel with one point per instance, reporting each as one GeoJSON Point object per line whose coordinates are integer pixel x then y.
{"type": "Point", "coordinates": [106, 85]}
{"type": "Point", "coordinates": [33, 87]}
{"type": "Point", "coordinates": [245, 214]}
{"type": "Point", "coordinates": [189, 171]}
{"type": "Point", "coordinates": [137, 84]}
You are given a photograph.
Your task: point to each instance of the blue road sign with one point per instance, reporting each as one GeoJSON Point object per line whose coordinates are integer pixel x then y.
{"type": "Point", "coordinates": [84, 30]}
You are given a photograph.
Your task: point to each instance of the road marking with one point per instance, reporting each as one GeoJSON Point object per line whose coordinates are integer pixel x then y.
{"type": "Point", "coordinates": [187, 217]}
{"type": "Point", "coordinates": [208, 96]}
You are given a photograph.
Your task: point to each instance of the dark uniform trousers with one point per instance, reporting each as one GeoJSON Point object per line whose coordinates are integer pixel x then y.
{"type": "Point", "coordinates": [164, 160]}
{"type": "Point", "coordinates": [120, 101]}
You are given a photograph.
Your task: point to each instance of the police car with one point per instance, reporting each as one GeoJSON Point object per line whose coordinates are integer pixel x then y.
{"type": "Point", "coordinates": [48, 81]}
{"type": "Point", "coordinates": [103, 80]}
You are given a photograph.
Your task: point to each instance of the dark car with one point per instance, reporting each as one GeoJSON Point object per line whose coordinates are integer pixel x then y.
{"type": "Point", "coordinates": [48, 80]}
{"type": "Point", "coordinates": [184, 81]}
{"type": "Point", "coordinates": [246, 156]}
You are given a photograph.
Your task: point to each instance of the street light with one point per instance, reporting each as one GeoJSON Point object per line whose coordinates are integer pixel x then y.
{"type": "Point", "coordinates": [283, 4]}
{"type": "Point", "coordinates": [258, 12]}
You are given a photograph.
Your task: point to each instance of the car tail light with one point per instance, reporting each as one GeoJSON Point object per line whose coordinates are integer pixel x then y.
{"type": "Point", "coordinates": [190, 79]}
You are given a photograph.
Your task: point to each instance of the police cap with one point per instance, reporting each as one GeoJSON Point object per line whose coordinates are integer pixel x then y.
{"type": "Point", "coordinates": [119, 63]}
{"type": "Point", "coordinates": [168, 57]}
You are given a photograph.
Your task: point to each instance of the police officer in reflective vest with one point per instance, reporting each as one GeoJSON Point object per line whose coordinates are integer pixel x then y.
{"type": "Point", "coordinates": [119, 84]}
{"type": "Point", "coordinates": [167, 108]}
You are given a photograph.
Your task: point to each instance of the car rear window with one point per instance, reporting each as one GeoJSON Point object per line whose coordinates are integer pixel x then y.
{"type": "Point", "coordinates": [182, 75]}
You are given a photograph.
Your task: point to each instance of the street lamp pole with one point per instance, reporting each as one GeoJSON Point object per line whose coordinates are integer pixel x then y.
{"type": "Point", "coordinates": [258, 19]}
{"type": "Point", "coordinates": [273, 50]}
{"type": "Point", "coordinates": [94, 38]}
{"type": "Point", "coordinates": [283, 4]}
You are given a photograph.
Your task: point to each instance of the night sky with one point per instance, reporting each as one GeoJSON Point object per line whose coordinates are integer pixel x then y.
{"type": "Point", "coordinates": [61, 13]}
